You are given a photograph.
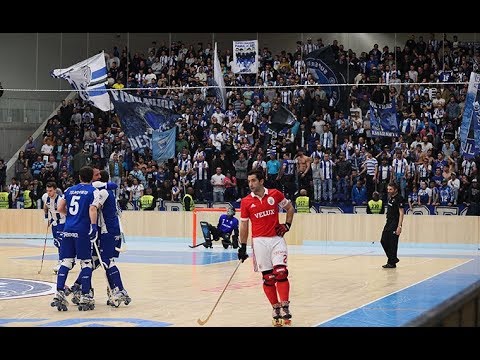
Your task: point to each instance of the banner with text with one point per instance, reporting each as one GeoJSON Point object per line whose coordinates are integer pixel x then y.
{"type": "Point", "coordinates": [245, 57]}
{"type": "Point", "coordinates": [383, 119]}
{"type": "Point", "coordinates": [140, 115]}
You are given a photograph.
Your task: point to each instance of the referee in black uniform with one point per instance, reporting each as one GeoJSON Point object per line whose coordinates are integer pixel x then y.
{"type": "Point", "coordinates": [393, 227]}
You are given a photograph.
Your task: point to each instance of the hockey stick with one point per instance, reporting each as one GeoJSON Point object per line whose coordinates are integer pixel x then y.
{"type": "Point", "coordinates": [203, 322]}
{"type": "Point", "coordinates": [109, 290]}
{"type": "Point", "coordinates": [190, 246]}
{"type": "Point", "coordinates": [123, 244]}
{"type": "Point", "coordinates": [44, 246]}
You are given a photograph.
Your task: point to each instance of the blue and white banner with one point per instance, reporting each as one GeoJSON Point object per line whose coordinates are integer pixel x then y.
{"type": "Point", "coordinates": [141, 115]}
{"type": "Point", "coordinates": [470, 127]}
{"type": "Point", "coordinates": [245, 57]}
{"type": "Point", "coordinates": [89, 77]}
{"type": "Point", "coordinates": [220, 91]}
{"type": "Point", "coordinates": [163, 144]}
{"type": "Point", "coordinates": [383, 119]}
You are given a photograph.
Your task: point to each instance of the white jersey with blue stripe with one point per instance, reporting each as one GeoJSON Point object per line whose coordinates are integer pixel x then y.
{"type": "Point", "coordinates": [108, 216]}
{"type": "Point", "coordinates": [52, 204]}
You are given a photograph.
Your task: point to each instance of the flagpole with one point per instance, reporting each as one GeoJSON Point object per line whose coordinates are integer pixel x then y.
{"type": "Point", "coordinates": [169, 55]}
{"type": "Point", "coordinates": [36, 65]}
{"type": "Point", "coordinates": [128, 55]}
{"type": "Point", "coordinates": [256, 60]}
{"type": "Point", "coordinates": [395, 53]}
{"type": "Point", "coordinates": [61, 59]}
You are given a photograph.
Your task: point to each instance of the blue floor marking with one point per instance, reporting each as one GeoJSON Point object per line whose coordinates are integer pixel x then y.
{"type": "Point", "coordinates": [399, 308]}
{"type": "Point", "coordinates": [165, 257]}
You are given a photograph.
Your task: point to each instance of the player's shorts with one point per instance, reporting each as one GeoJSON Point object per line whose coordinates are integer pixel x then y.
{"type": "Point", "coordinates": [268, 252]}
{"type": "Point", "coordinates": [108, 242]}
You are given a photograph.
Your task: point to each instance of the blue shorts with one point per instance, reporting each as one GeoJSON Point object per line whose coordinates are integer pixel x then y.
{"type": "Point", "coordinates": [57, 233]}
{"type": "Point", "coordinates": [75, 245]}
{"type": "Point", "coordinates": [108, 243]}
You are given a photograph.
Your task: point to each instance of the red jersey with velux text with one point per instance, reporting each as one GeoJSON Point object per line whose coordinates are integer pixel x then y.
{"type": "Point", "coordinates": [263, 213]}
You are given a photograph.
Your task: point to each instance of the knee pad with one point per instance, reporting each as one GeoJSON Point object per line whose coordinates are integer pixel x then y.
{"type": "Point", "coordinates": [280, 272]}
{"type": "Point", "coordinates": [268, 278]}
{"type": "Point", "coordinates": [67, 262]}
{"type": "Point", "coordinates": [85, 264]}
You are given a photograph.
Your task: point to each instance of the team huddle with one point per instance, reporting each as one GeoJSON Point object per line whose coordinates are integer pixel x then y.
{"type": "Point", "coordinates": [86, 228]}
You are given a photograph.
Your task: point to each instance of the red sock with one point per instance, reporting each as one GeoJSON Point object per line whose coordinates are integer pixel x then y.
{"type": "Point", "coordinates": [271, 292]}
{"type": "Point", "coordinates": [283, 288]}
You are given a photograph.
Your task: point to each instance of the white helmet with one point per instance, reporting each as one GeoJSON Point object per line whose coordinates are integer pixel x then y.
{"type": "Point", "coordinates": [230, 210]}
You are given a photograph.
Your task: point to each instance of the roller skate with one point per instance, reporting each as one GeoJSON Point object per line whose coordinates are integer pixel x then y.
{"type": "Point", "coordinates": [277, 320]}
{"type": "Point", "coordinates": [208, 244]}
{"type": "Point", "coordinates": [118, 296]}
{"type": "Point", "coordinates": [86, 302]}
{"type": "Point", "coordinates": [76, 291]}
{"type": "Point", "coordinates": [60, 301]}
{"type": "Point", "coordinates": [285, 312]}
{"type": "Point", "coordinates": [226, 243]}
{"type": "Point", "coordinates": [57, 267]}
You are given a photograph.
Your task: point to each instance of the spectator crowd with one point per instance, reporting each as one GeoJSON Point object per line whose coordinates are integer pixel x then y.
{"type": "Point", "coordinates": [330, 152]}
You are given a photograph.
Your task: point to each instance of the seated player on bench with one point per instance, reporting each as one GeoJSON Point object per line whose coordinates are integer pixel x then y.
{"type": "Point", "coordinates": [227, 224]}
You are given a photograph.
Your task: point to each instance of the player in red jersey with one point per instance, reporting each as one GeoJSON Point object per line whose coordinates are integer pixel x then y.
{"type": "Point", "coordinates": [269, 247]}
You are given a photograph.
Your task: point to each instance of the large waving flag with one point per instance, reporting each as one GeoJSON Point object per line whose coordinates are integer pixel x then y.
{"type": "Point", "coordinates": [383, 119]}
{"type": "Point", "coordinates": [281, 120]}
{"type": "Point", "coordinates": [89, 77]}
{"type": "Point", "coordinates": [325, 70]}
{"type": "Point", "coordinates": [221, 93]}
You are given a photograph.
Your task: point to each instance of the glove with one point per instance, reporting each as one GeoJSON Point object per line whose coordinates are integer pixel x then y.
{"type": "Point", "coordinates": [281, 229]}
{"type": "Point", "coordinates": [242, 253]}
{"type": "Point", "coordinates": [93, 232]}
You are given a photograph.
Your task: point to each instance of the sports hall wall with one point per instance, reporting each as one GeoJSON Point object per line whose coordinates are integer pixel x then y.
{"type": "Point", "coordinates": [421, 230]}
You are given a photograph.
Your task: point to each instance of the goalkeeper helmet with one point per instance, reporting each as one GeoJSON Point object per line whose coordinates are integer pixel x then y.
{"type": "Point", "coordinates": [230, 211]}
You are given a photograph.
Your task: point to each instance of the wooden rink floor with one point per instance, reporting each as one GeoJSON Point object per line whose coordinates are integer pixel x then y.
{"type": "Point", "coordinates": [172, 285]}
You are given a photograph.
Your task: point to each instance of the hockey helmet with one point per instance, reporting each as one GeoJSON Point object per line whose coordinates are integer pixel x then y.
{"type": "Point", "coordinates": [230, 210]}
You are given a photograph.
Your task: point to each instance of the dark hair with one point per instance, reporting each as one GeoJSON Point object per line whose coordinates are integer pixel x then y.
{"type": "Point", "coordinates": [104, 176]}
{"type": "Point", "coordinates": [393, 185]}
{"type": "Point", "coordinates": [51, 184]}
{"type": "Point", "coordinates": [258, 173]}
{"type": "Point", "coordinates": [86, 174]}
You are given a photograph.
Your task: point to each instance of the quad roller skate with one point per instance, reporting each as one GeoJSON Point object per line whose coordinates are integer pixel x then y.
{"type": "Point", "coordinates": [119, 296]}
{"type": "Point", "coordinates": [277, 320]}
{"type": "Point", "coordinates": [60, 301]}
{"type": "Point", "coordinates": [86, 302]}
{"type": "Point", "coordinates": [285, 313]}
{"type": "Point", "coordinates": [75, 291]}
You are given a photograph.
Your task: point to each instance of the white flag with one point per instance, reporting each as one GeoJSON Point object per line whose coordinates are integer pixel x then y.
{"type": "Point", "coordinates": [89, 77]}
{"type": "Point", "coordinates": [218, 78]}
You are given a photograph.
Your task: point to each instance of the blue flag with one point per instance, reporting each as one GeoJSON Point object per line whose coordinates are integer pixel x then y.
{"type": "Point", "coordinates": [383, 119]}
{"type": "Point", "coordinates": [163, 144]}
{"type": "Point", "coordinates": [140, 115]}
{"type": "Point", "coordinates": [322, 65]}
{"type": "Point", "coordinates": [470, 126]}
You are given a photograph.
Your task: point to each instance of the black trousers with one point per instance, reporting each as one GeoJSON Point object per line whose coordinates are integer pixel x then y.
{"type": "Point", "coordinates": [389, 243]}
